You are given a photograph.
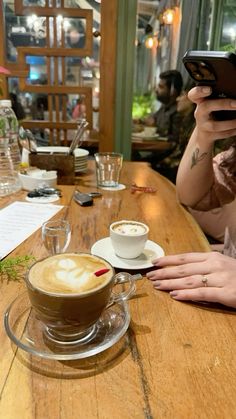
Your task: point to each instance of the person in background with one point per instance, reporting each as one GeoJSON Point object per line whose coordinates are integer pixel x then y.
{"type": "Point", "coordinates": [204, 182]}
{"type": "Point", "coordinates": [185, 107]}
{"type": "Point", "coordinates": [17, 107]}
{"type": "Point", "coordinates": [79, 110]}
{"type": "Point", "coordinates": [166, 120]}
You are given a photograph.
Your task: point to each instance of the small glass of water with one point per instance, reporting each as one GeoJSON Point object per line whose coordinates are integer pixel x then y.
{"type": "Point", "coordinates": [56, 235]}
{"type": "Point", "coordinates": [108, 168]}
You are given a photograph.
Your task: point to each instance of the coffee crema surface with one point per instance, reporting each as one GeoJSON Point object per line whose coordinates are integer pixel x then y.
{"type": "Point", "coordinates": [69, 273]}
{"type": "Point", "coordinates": [130, 229]}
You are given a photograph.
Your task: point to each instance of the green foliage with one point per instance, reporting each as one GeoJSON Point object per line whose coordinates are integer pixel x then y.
{"type": "Point", "coordinates": [12, 269]}
{"type": "Point", "coordinates": [142, 106]}
{"type": "Point", "coordinates": [228, 48]}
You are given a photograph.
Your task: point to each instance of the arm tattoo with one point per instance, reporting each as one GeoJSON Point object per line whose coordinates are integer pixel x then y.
{"type": "Point", "coordinates": [197, 157]}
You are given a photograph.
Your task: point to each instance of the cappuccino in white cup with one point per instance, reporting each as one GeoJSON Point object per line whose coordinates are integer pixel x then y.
{"type": "Point", "coordinates": [128, 238]}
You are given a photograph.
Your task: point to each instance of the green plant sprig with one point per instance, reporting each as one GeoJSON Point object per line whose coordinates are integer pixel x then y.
{"type": "Point", "coordinates": [12, 269]}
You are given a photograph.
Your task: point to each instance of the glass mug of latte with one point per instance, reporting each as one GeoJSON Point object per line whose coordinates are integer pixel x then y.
{"type": "Point", "coordinates": [69, 292]}
{"type": "Point", "coordinates": [128, 238]}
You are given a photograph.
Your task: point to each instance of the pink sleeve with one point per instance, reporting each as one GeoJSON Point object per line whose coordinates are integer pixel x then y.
{"type": "Point", "coordinates": [223, 190]}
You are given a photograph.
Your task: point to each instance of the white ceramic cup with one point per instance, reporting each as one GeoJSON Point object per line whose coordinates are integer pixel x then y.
{"type": "Point", "coordinates": [150, 131]}
{"type": "Point", "coordinates": [128, 238]}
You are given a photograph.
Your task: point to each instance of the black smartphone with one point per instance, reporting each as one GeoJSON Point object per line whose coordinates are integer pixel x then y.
{"type": "Point", "coordinates": [216, 69]}
{"type": "Point", "coordinates": [83, 199]}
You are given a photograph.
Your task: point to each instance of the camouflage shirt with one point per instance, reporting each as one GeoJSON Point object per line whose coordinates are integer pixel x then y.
{"type": "Point", "coordinates": [168, 122]}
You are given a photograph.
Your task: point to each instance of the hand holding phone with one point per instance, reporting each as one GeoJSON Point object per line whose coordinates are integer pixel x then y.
{"type": "Point", "coordinates": [216, 69]}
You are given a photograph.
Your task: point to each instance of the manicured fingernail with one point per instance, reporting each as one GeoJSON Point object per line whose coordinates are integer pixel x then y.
{"type": "Point", "coordinates": [173, 294]}
{"type": "Point", "coordinates": [157, 283]}
{"type": "Point", "coordinates": [206, 89]}
{"type": "Point", "coordinates": [233, 103]}
{"type": "Point", "coordinates": [151, 278]}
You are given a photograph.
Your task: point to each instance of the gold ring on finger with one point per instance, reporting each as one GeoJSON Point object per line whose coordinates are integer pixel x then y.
{"type": "Point", "coordinates": [205, 280]}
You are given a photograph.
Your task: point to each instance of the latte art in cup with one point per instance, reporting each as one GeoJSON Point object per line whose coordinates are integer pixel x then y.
{"type": "Point", "coordinates": [132, 229]}
{"type": "Point", "coordinates": [69, 274]}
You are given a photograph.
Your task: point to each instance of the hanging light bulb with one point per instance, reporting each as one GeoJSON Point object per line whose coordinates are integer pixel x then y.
{"type": "Point", "coordinates": [168, 16]}
{"type": "Point", "coordinates": [149, 42]}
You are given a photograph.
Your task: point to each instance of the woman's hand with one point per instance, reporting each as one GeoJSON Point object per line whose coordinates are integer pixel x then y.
{"type": "Point", "coordinates": [206, 125]}
{"type": "Point", "coordinates": [197, 277]}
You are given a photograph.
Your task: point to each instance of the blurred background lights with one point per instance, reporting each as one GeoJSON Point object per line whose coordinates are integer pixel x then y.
{"type": "Point", "coordinates": [168, 16]}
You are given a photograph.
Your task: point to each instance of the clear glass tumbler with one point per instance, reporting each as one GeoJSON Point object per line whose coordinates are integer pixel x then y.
{"type": "Point", "coordinates": [108, 167]}
{"type": "Point", "coordinates": [56, 235]}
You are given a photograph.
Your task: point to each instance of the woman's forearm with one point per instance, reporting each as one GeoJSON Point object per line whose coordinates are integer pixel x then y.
{"type": "Point", "coordinates": [195, 174]}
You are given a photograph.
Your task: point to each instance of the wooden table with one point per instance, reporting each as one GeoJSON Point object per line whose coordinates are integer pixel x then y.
{"type": "Point", "coordinates": [177, 360]}
{"type": "Point", "coordinates": [137, 144]}
{"type": "Point", "coordinates": [151, 145]}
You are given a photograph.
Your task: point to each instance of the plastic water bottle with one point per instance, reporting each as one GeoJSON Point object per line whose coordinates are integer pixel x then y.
{"type": "Point", "coordinates": [10, 157]}
{"type": "Point", "coordinates": [11, 131]}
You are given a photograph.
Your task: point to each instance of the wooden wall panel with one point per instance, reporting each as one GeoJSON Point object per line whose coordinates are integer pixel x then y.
{"type": "Point", "coordinates": [108, 74]}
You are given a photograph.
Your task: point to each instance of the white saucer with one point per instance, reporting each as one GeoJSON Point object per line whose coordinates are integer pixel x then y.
{"type": "Point", "coordinates": [119, 187]}
{"type": "Point", "coordinates": [43, 199]}
{"type": "Point", "coordinates": [103, 248]}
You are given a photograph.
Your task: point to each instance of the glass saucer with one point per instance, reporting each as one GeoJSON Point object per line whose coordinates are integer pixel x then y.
{"type": "Point", "coordinates": [27, 332]}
